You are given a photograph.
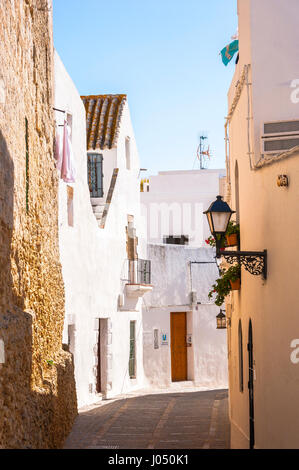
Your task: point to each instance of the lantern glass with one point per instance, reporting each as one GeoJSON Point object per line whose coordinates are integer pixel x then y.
{"type": "Point", "coordinates": [220, 221]}
{"type": "Point", "coordinates": [221, 321]}
{"type": "Point", "coordinates": [218, 215]}
{"type": "Point", "coordinates": [210, 220]}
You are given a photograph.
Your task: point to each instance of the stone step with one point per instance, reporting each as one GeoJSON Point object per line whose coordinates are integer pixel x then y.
{"type": "Point", "coordinates": [98, 209]}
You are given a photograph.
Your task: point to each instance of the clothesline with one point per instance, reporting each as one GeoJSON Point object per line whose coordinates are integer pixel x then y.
{"type": "Point", "coordinates": [59, 110]}
{"type": "Point", "coordinates": [64, 154]}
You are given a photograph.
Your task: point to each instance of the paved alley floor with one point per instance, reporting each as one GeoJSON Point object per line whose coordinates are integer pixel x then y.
{"type": "Point", "coordinates": [190, 420]}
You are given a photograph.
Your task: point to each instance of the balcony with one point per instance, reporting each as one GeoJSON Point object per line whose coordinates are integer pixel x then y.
{"type": "Point", "coordinates": [139, 278]}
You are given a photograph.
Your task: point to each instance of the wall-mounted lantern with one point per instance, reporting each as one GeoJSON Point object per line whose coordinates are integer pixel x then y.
{"type": "Point", "coordinates": [221, 321]}
{"type": "Point", "coordinates": [219, 215]}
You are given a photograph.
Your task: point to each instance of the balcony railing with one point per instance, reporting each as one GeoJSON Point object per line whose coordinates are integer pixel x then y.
{"type": "Point", "coordinates": [139, 271]}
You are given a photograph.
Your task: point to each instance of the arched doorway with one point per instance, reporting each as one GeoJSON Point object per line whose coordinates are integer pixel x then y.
{"type": "Point", "coordinates": [250, 387]}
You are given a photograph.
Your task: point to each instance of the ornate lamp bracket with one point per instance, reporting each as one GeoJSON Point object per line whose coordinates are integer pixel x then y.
{"type": "Point", "coordinates": [255, 262]}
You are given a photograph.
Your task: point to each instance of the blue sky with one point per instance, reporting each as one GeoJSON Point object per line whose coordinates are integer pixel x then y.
{"type": "Point", "coordinates": [164, 54]}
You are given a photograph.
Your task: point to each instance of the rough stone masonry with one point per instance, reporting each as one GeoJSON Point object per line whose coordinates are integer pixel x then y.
{"type": "Point", "coordinates": [37, 389]}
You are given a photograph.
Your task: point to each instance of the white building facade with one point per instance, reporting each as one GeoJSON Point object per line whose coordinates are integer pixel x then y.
{"type": "Point", "coordinates": [173, 203]}
{"type": "Point", "coordinates": [181, 342]}
{"type": "Point", "coordinates": [100, 254]}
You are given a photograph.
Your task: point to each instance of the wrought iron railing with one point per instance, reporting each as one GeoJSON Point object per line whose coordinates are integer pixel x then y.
{"type": "Point", "coordinates": [139, 271]}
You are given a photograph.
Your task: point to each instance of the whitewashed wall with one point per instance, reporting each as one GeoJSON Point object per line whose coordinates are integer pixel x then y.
{"type": "Point", "coordinates": [93, 259]}
{"type": "Point", "coordinates": [175, 203]}
{"type": "Point", "coordinates": [173, 281]}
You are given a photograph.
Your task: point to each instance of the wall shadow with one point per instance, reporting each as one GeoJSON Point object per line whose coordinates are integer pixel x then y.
{"type": "Point", "coordinates": [29, 419]}
{"type": "Point", "coordinates": [176, 420]}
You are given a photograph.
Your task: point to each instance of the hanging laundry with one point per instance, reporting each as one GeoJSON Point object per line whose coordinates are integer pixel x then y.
{"type": "Point", "coordinates": [58, 148]}
{"type": "Point", "coordinates": [67, 167]}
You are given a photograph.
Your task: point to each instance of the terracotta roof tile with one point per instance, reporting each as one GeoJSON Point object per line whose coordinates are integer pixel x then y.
{"type": "Point", "coordinates": [103, 116]}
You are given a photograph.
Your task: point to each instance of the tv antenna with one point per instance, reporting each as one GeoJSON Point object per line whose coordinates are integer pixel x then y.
{"type": "Point", "coordinates": [203, 153]}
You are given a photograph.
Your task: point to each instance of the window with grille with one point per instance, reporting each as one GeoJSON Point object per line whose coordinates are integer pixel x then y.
{"type": "Point", "coordinates": [132, 360]}
{"type": "Point", "coordinates": [176, 240]}
{"type": "Point", "coordinates": [95, 174]}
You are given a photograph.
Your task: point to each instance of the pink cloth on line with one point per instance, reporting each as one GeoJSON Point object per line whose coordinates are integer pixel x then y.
{"type": "Point", "coordinates": [67, 166]}
{"type": "Point", "coordinates": [58, 149]}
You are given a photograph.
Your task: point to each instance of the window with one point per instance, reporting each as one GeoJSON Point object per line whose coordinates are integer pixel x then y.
{"type": "Point", "coordinates": [241, 379]}
{"type": "Point", "coordinates": [156, 339]}
{"type": "Point", "coordinates": [132, 239]}
{"type": "Point", "coordinates": [71, 338]}
{"type": "Point", "coordinates": [176, 240]}
{"type": "Point", "coordinates": [128, 153]}
{"type": "Point", "coordinates": [70, 206]}
{"type": "Point", "coordinates": [132, 360]}
{"type": "Point", "coordinates": [95, 174]}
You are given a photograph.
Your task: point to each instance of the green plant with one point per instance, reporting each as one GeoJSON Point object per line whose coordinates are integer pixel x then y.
{"type": "Point", "coordinates": [222, 286]}
{"type": "Point", "coordinates": [50, 363]}
{"type": "Point", "coordinates": [212, 242]}
{"type": "Point", "coordinates": [232, 228]}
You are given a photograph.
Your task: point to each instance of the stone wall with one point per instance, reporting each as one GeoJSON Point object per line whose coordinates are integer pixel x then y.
{"type": "Point", "coordinates": [37, 389]}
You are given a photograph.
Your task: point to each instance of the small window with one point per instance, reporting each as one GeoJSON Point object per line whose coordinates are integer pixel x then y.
{"type": "Point", "coordinates": [95, 174]}
{"type": "Point", "coordinates": [132, 360]}
{"type": "Point", "coordinates": [241, 379]}
{"type": "Point", "coordinates": [70, 206]}
{"type": "Point", "coordinates": [156, 339]}
{"type": "Point", "coordinates": [128, 153]}
{"type": "Point", "coordinates": [71, 338]}
{"type": "Point", "coordinates": [174, 240]}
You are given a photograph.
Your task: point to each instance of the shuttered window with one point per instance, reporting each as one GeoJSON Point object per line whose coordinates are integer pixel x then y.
{"type": "Point", "coordinates": [132, 360]}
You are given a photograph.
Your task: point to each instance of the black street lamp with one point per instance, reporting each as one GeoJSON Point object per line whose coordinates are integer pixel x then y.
{"type": "Point", "coordinates": [219, 215]}
{"type": "Point", "coordinates": [221, 321]}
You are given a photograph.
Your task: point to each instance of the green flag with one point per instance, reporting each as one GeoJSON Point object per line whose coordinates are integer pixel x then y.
{"type": "Point", "coordinates": [229, 51]}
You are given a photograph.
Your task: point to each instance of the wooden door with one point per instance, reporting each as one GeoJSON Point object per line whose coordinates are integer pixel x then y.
{"type": "Point", "coordinates": [178, 347]}
{"type": "Point", "coordinates": [99, 371]}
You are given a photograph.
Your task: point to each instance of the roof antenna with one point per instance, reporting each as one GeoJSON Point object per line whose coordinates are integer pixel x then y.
{"type": "Point", "coordinates": [203, 152]}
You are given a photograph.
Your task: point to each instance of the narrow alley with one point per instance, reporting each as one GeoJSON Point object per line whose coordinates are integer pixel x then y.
{"type": "Point", "coordinates": [190, 420]}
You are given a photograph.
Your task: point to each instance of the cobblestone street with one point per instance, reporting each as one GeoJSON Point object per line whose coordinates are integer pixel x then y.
{"type": "Point", "coordinates": [190, 420]}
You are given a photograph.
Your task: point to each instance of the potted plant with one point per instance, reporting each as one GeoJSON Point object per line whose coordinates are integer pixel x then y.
{"type": "Point", "coordinates": [233, 274]}
{"type": "Point", "coordinates": [232, 234]}
{"type": "Point", "coordinates": [230, 280]}
{"type": "Point", "coordinates": [212, 242]}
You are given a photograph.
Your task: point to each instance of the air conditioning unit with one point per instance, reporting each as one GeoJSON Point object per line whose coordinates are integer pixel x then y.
{"type": "Point", "coordinates": [279, 136]}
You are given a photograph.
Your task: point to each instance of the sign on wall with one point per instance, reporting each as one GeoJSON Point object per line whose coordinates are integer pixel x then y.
{"type": "Point", "coordinates": [164, 339]}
